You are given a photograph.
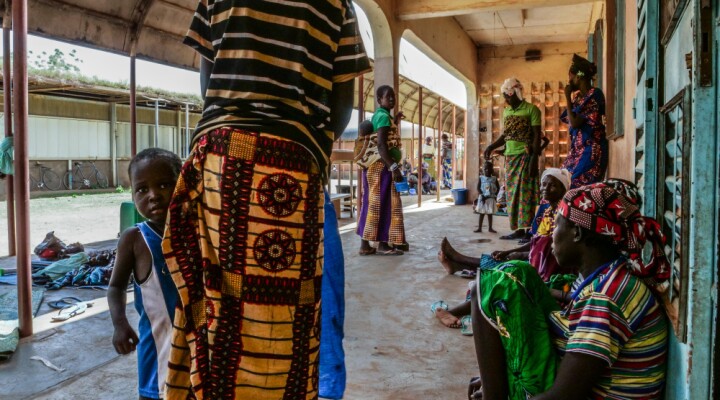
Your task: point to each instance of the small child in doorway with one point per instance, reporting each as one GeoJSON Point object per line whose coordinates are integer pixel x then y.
{"type": "Point", "coordinates": [488, 189]}
{"type": "Point", "coordinates": [153, 175]}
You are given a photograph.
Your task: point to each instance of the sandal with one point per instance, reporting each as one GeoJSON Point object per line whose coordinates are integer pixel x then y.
{"type": "Point", "coordinates": [391, 252]}
{"type": "Point", "coordinates": [69, 312]}
{"type": "Point", "coordinates": [440, 304]}
{"type": "Point", "coordinates": [403, 247]}
{"type": "Point", "coordinates": [64, 302]}
{"type": "Point", "coordinates": [467, 274]}
{"type": "Point", "coordinates": [368, 252]}
{"type": "Point", "coordinates": [475, 388]}
{"type": "Point", "coordinates": [466, 326]}
{"type": "Point", "coordinates": [513, 236]}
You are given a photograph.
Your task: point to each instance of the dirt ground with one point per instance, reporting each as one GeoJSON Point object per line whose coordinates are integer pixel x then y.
{"type": "Point", "coordinates": [83, 218]}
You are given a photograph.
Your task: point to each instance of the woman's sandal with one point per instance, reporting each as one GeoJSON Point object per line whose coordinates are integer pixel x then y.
{"type": "Point", "coordinates": [367, 252]}
{"type": "Point", "coordinates": [467, 274]}
{"type": "Point", "coordinates": [475, 388]}
{"type": "Point", "coordinates": [466, 326]}
{"type": "Point", "coordinates": [440, 304]}
{"type": "Point", "coordinates": [70, 311]}
{"type": "Point", "coordinates": [513, 236]}
{"type": "Point", "coordinates": [390, 252]}
{"type": "Point", "coordinates": [64, 302]}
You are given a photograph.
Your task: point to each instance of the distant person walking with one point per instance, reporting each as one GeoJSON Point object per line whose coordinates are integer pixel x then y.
{"type": "Point", "coordinates": [446, 149]}
{"type": "Point", "coordinates": [428, 155]}
{"type": "Point", "coordinates": [587, 158]}
{"type": "Point", "coordinates": [521, 138]}
{"type": "Point", "coordinates": [244, 240]}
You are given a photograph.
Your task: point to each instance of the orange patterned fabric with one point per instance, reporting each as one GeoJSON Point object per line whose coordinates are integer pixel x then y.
{"type": "Point", "coordinates": [381, 215]}
{"type": "Point", "coordinates": [244, 247]}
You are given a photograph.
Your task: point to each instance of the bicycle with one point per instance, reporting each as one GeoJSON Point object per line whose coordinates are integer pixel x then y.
{"type": "Point", "coordinates": [85, 175]}
{"type": "Point", "coordinates": [47, 179]}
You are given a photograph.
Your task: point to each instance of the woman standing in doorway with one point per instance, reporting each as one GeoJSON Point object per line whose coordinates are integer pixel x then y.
{"type": "Point", "coordinates": [587, 157]}
{"type": "Point", "coordinates": [381, 218]}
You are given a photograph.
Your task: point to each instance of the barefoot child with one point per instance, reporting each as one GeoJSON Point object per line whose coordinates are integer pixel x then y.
{"type": "Point", "coordinates": [488, 189]}
{"type": "Point", "coordinates": [153, 174]}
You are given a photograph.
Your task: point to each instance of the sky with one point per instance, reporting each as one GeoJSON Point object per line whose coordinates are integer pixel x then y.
{"type": "Point", "coordinates": [112, 67]}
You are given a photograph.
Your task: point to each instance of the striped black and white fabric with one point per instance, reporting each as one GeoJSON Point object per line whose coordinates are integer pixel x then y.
{"type": "Point", "coordinates": [275, 62]}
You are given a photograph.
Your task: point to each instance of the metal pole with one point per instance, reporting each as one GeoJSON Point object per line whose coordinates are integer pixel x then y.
{"type": "Point", "coordinates": [438, 181]}
{"type": "Point", "coordinates": [186, 150]}
{"type": "Point", "coordinates": [156, 138]}
{"type": "Point", "coordinates": [420, 146]}
{"type": "Point", "coordinates": [7, 106]}
{"type": "Point", "coordinates": [22, 173]}
{"type": "Point", "coordinates": [113, 142]}
{"type": "Point", "coordinates": [465, 149]}
{"type": "Point", "coordinates": [454, 148]}
{"type": "Point", "coordinates": [133, 109]}
{"type": "Point", "coordinates": [177, 139]}
{"type": "Point", "coordinates": [361, 118]}
{"type": "Point", "coordinates": [412, 143]}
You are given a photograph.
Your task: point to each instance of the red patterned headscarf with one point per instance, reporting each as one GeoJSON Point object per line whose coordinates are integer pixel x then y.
{"type": "Point", "coordinates": [612, 209]}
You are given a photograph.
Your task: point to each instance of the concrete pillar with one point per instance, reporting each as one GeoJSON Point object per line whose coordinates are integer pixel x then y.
{"type": "Point", "coordinates": [113, 144]}
{"type": "Point", "coordinates": [472, 146]}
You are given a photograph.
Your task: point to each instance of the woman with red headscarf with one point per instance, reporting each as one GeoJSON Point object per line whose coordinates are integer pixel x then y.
{"type": "Point", "coordinates": [610, 340]}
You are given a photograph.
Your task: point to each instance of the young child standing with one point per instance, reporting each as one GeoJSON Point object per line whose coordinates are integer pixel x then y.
{"type": "Point", "coordinates": [153, 174]}
{"type": "Point", "coordinates": [488, 188]}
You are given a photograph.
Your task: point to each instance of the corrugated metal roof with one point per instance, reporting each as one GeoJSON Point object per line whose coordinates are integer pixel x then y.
{"type": "Point", "coordinates": [78, 90]}
{"type": "Point", "coordinates": [154, 29]}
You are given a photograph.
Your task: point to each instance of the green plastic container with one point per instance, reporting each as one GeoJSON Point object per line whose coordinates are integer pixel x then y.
{"type": "Point", "coordinates": [129, 215]}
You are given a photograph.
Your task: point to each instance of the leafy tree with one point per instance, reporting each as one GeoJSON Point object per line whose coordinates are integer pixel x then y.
{"type": "Point", "coordinates": [57, 61]}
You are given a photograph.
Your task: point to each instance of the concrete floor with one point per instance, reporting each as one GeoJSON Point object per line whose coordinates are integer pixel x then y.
{"type": "Point", "coordinates": [395, 348]}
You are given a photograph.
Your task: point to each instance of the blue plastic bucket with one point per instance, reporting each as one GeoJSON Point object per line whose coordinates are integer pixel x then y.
{"type": "Point", "coordinates": [460, 196]}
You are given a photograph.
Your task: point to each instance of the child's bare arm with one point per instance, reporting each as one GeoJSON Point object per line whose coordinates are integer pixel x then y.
{"type": "Point", "coordinates": [124, 338]}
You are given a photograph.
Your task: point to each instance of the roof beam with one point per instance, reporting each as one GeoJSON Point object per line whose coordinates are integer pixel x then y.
{"type": "Point", "coordinates": [142, 8]}
{"type": "Point", "coordinates": [419, 9]}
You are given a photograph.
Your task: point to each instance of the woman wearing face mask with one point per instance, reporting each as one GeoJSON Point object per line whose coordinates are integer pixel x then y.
{"type": "Point", "coordinates": [587, 157]}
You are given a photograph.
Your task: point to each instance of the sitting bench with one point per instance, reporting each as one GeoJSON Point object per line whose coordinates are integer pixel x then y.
{"type": "Point", "coordinates": [336, 199]}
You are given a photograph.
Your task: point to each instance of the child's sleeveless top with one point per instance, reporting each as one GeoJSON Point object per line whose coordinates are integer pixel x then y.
{"type": "Point", "coordinates": [155, 301]}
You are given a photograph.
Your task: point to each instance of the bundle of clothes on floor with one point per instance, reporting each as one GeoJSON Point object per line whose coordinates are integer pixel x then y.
{"type": "Point", "coordinates": [62, 265]}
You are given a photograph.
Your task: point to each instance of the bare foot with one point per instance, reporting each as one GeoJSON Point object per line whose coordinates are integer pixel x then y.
{"type": "Point", "coordinates": [478, 230]}
{"type": "Point", "coordinates": [491, 230]}
{"type": "Point", "coordinates": [447, 319]}
{"type": "Point", "coordinates": [446, 255]}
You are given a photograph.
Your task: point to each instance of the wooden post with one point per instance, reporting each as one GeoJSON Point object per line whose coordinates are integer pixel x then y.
{"type": "Point", "coordinates": [439, 162]}
{"type": "Point", "coordinates": [133, 109]}
{"type": "Point", "coordinates": [412, 144]}
{"type": "Point", "coordinates": [7, 106]}
{"type": "Point", "coordinates": [454, 143]}
{"type": "Point", "coordinates": [465, 149]}
{"type": "Point", "coordinates": [361, 118]}
{"type": "Point", "coordinates": [22, 173]}
{"type": "Point", "coordinates": [420, 146]}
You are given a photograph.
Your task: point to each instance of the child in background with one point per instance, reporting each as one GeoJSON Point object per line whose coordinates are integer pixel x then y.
{"type": "Point", "coordinates": [488, 188]}
{"type": "Point", "coordinates": [363, 142]}
{"type": "Point", "coordinates": [153, 175]}
{"type": "Point", "coordinates": [502, 200]}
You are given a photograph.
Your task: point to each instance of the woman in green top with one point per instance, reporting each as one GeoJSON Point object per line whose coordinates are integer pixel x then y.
{"type": "Point", "coordinates": [521, 138]}
{"type": "Point", "coordinates": [381, 218]}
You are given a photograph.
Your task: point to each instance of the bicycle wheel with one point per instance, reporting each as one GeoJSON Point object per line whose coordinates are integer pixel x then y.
{"type": "Point", "coordinates": [51, 180]}
{"type": "Point", "coordinates": [101, 179]}
{"type": "Point", "coordinates": [72, 182]}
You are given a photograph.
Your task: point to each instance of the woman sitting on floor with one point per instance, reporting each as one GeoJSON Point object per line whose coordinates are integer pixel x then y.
{"type": "Point", "coordinates": [554, 184]}
{"type": "Point", "coordinates": [610, 341]}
